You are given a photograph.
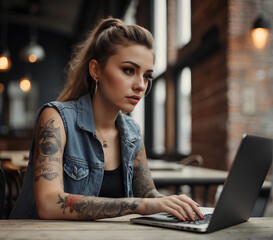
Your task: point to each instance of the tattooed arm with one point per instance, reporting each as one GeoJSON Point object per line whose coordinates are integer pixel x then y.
{"type": "Point", "coordinates": [143, 184]}
{"type": "Point", "coordinates": [180, 206]}
{"type": "Point", "coordinates": [53, 203]}
{"type": "Point", "coordinates": [51, 200]}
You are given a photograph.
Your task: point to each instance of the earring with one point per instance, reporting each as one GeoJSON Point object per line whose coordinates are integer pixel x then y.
{"type": "Point", "coordinates": [96, 87]}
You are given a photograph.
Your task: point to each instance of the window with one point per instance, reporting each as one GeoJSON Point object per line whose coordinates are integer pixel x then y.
{"type": "Point", "coordinates": [184, 112]}
{"type": "Point", "coordinates": [159, 116]}
{"type": "Point", "coordinates": [183, 22]}
{"type": "Point", "coordinates": [22, 106]}
{"type": "Point", "coordinates": [160, 36]}
{"type": "Point", "coordinates": [138, 115]}
{"type": "Point", "coordinates": [130, 14]}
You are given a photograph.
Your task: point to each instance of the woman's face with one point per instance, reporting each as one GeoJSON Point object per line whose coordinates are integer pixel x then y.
{"type": "Point", "coordinates": [124, 80]}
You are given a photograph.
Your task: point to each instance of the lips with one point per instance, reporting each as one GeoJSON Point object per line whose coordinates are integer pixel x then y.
{"type": "Point", "coordinates": [134, 99]}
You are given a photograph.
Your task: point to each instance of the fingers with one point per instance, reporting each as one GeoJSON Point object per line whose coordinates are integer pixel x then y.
{"type": "Point", "coordinates": [177, 211]}
{"type": "Point", "coordinates": [192, 207]}
{"type": "Point", "coordinates": [183, 207]}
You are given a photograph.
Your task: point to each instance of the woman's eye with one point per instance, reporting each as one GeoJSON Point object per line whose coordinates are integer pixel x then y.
{"type": "Point", "coordinates": [128, 70]}
{"type": "Point", "coordinates": [149, 77]}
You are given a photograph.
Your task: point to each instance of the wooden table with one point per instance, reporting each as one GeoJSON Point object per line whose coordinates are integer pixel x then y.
{"type": "Point", "coordinates": [205, 177]}
{"type": "Point", "coordinates": [189, 175]}
{"type": "Point", "coordinates": [120, 228]}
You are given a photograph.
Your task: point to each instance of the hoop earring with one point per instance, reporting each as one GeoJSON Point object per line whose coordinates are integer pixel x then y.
{"type": "Point", "coordinates": [95, 87]}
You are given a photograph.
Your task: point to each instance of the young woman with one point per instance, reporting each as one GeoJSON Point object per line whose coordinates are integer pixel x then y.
{"type": "Point", "coordinates": [88, 160]}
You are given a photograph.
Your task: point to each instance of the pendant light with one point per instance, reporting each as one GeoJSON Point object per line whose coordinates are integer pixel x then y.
{"type": "Point", "coordinates": [261, 29]}
{"type": "Point", "coordinates": [5, 61]}
{"type": "Point", "coordinates": [33, 52]}
{"type": "Point", "coordinates": [25, 84]}
{"type": "Point", "coordinates": [260, 32]}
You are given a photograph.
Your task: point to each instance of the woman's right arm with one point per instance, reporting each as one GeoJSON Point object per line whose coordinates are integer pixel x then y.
{"type": "Point", "coordinates": [51, 200]}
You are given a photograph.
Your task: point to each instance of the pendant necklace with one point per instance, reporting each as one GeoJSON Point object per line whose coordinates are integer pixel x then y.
{"type": "Point", "coordinates": [104, 142]}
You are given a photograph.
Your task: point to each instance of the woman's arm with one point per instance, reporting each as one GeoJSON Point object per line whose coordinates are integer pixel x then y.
{"type": "Point", "coordinates": [180, 206]}
{"type": "Point", "coordinates": [143, 183]}
{"type": "Point", "coordinates": [51, 200]}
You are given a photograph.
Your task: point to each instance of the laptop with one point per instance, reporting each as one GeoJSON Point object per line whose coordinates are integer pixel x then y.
{"type": "Point", "coordinates": [239, 194]}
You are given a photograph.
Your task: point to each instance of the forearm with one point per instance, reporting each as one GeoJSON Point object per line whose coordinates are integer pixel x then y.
{"type": "Point", "coordinates": [153, 193]}
{"type": "Point", "coordinates": [79, 207]}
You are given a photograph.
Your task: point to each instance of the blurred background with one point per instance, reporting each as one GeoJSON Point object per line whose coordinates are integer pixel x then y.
{"type": "Point", "coordinates": [213, 81]}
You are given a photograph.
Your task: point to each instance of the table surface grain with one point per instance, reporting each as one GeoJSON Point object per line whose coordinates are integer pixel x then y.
{"type": "Point", "coordinates": [121, 228]}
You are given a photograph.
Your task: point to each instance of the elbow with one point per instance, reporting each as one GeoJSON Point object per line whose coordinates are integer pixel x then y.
{"type": "Point", "coordinates": [43, 213]}
{"type": "Point", "coordinates": [44, 208]}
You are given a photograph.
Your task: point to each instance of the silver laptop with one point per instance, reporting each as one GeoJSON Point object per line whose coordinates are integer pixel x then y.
{"type": "Point", "coordinates": [239, 194]}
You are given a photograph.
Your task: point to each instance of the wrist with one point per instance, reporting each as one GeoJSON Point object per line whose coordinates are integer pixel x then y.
{"type": "Point", "coordinates": [139, 206]}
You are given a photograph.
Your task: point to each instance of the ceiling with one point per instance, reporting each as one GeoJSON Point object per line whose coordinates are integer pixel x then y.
{"type": "Point", "coordinates": [66, 17]}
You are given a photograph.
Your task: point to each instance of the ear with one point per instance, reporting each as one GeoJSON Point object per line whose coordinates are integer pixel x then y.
{"type": "Point", "coordinates": [94, 69]}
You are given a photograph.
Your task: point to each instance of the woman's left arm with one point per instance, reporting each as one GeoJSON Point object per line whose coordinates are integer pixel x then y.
{"type": "Point", "coordinates": [143, 184]}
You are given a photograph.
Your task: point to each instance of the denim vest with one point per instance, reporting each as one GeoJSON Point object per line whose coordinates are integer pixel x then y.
{"type": "Point", "coordinates": [83, 158]}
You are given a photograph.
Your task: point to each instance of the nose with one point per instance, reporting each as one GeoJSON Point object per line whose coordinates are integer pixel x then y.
{"type": "Point", "coordinates": [140, 83]}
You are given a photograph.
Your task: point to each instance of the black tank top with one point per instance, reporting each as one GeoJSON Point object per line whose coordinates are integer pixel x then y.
{"type": "Point", "coordinates": [112, 184]}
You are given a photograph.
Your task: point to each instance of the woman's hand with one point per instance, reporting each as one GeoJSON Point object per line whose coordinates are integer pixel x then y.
{"type": "Point", "coordinates": [180, 206]}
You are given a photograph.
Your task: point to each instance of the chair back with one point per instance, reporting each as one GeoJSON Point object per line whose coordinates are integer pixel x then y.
{"type": "Point", "coordinates": [2, 191]}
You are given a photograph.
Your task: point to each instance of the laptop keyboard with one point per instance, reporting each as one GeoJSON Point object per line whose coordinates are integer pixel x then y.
{"type": "Point", "coordinates": [198, 221]}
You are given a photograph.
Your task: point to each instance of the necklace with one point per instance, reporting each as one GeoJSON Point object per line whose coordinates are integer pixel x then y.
{"type": "Point", "coordinates": [104, 143]}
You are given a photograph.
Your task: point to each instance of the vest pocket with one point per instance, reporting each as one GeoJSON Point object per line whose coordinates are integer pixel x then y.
{"type": "Point", "coordinates": [76, 176]}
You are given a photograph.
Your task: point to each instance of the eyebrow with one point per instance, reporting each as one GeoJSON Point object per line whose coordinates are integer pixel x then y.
{"type": "Point", "coordinates": [137, 66]}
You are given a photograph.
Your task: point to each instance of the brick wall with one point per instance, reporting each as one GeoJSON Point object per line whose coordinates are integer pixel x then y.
{"type": "Point", "coordinates": [250, 78]}
{"type": "Point", "coordinates": [231, 87]}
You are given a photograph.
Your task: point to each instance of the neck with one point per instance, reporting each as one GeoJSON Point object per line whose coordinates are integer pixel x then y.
{"type": "Point", "coordinates": [104, 115]}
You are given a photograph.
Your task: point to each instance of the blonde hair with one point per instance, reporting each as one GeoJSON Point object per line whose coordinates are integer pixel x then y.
{"type": "Point", "coordinates": [100, 44]}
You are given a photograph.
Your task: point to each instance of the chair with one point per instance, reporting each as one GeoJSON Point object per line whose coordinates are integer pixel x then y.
{"type": "Point", "coordinates": [193, 160]}
{"type": "Point", "coordinates": [2, 192]}
{"type": "Point", "coordinates": [13, 184]}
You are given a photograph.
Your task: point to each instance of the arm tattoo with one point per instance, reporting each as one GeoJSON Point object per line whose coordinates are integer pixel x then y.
{"type": "Point", "coordinates": [46, 171]}
{"type": "Point", "coordinates": [50, 138]}
{"type": "Point", "coordinates": [91, 208]}
{"type": "Point", "coordinates": [48, 146]}
{"type": "Point", "coordinates": [142, 180]}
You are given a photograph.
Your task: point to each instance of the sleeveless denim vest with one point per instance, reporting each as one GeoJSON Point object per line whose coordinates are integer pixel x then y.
{"type": "Point", "coordinates": [83, 158]}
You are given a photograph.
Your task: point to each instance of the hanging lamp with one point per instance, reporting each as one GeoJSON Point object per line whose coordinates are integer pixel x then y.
{"type": "Point", "coordinates": [5, 61]}
{"type": "Point", "coordinates": [32, 52]}
{"type": "Point", "coordinates": [260, 32]}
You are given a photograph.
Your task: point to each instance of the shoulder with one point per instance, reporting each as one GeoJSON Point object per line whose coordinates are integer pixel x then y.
{"type": "Point", "coordinates": [57, 109]}
{"type": "Point", "coordinates": [131, 123]}
{"type": "Point", "coordinates": [50, 125]}
{"type": "Point", "coordinates": [50, 115]}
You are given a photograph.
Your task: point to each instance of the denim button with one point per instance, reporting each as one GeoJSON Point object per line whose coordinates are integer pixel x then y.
{"type": "Point", "coordinates": [75, 170]}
